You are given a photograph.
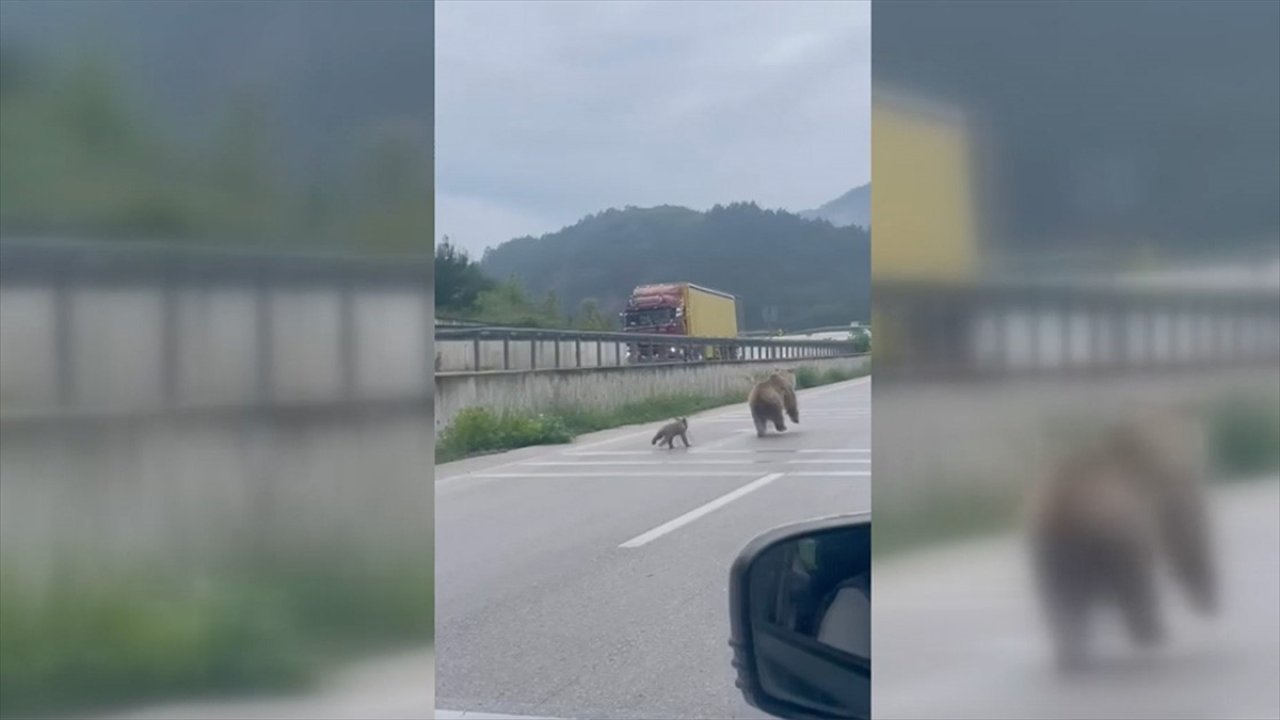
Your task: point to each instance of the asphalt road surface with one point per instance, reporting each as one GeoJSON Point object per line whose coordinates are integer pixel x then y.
{"type": "Point", "coordinates": [957, 634]}
{"type": "Point", "coordinates": [590, 580]}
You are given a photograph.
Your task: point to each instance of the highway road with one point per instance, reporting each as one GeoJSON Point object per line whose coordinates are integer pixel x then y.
{"type": "Point", "coordinates": [957, 634]}
{"type": "Point", "coordinates": [590, 580]}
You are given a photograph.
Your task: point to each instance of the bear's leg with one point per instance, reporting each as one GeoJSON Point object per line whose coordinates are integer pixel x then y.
{"type": "Point", "coordinates": [778, 422]}
{"type": "Point", "coordinates": [760, 421]}
{"type": "Point", "coordinates": [1067, 591]}
{"type": "Point", "coordinates": [1069, 613]}
{"type": "Point", "coordinates": [1134, 581]}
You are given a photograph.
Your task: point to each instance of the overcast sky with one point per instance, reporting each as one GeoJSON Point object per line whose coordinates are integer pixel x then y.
{"type": "Point", "coordinates": [547, 111]}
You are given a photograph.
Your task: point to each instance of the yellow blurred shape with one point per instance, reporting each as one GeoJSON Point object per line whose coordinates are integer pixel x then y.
{"type": "Point", "coordinates": [922, 206]}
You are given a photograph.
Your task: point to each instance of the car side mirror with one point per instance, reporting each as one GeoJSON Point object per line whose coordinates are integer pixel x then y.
{"type": "Point", "coordinates": [800, 611]}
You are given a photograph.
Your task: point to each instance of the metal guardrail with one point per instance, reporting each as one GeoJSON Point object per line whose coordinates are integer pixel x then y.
{"type": "Point", "coordinates": [1006, 330]}
{"type": "Point", "coordinates": [639, 348]}
{"type": "Point", "coordinates": [60, 281]}
{"type": "Point", "coordinates": [804, 331]}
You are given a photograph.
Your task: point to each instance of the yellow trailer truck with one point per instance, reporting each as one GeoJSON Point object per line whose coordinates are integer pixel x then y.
{"type": "Point", "coordinates": [680, 309]}
{"type": "Point", "coordinates": [922, 207]}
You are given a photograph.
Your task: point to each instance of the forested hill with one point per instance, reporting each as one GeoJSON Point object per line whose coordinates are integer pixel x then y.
{"type": "Point", "coordinates": [851, 208]}
{"type": "Point", "coordinates": [787, 272]}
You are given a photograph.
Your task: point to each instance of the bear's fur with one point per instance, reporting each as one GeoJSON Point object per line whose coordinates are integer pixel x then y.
{"type": "Point", "coordinates": [1100, 525]}
{"type": "Point", "coordinates": [769, 399]}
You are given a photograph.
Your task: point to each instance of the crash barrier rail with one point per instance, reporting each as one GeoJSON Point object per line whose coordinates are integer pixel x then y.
{"type": "Point", "coordinates": [1007, 330]}
{"type": "Point", "coordinates": [495, 348]}
{"type": "Point", "coordinates": [104, 328]}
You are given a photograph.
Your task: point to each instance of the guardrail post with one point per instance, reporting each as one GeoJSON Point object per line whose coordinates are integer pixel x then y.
{"type": "Point", "coordinates": [475, 353]}
{"type": "Point", "coordinates": [170, 347]}
{"type": "Point", "coordinates": [533, 354]}
{"type": "Point", "coordinates": [599, 353]}
{"type": "Point", "coordinates": [506, 352]}
{"type": "Point", "coordinates": [558, 338]}
{"type": "Point", "coordinates": [265, 343]}
{"type": "Point", "coordinates": [1149, 335]}
{"type": "Point", "coordinates": [64, 342]}
{"type": "Point", "coordinates": [617, 349]}
{"type": "Point", "coordinates": [577, 352]}
{"type": "Point", "coordinates": [347, 340]}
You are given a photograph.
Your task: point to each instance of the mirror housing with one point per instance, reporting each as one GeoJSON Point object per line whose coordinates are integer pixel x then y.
{"type": "Point", "coordinates": [795, 657]}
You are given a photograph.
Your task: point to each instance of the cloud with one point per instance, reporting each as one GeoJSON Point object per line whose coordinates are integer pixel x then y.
{"type": "Point", "coordinates": [547, 111]}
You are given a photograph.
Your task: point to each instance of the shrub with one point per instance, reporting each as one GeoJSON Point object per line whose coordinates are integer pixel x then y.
{"type": "Point", "coordinates": [1244, 436]}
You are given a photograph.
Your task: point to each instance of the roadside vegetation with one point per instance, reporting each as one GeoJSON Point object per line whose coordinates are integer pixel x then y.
{"type": "Point", "coordinates": [1244, 437]}
{"type": "Point", "coordinates": [478, 431]}
{"type": "Point", "coordinates": [88, 646]}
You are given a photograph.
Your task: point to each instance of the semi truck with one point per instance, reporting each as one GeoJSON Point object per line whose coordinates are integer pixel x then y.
{"type": "Point", "coordinates": [683, 309]}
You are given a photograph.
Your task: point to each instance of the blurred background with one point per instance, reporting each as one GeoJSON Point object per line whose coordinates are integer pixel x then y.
{"type": "Point", "coordinates": [1076, 241]}
{"type": "Point", "coordinates": [215, 302]}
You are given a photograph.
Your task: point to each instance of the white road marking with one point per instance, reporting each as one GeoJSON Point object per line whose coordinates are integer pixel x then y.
{"type": "Point", "coordinates": [698, 512]}
{"type": "Point", "coordinates": [831, 461]}
{"type": "Point", "coordinates": [831, 473]}
{"type": "Point", "coordinates": [441, 482]}
{"type": "Point", "coordinates": [477, 715]}
{"type": "Point", "coordinates": [628, 436]}
{"type": "Point", "coordinates": [771, 451]}
{"type": "Point", "coordinates": [608, 474]}
{"type": "Point", "coordinates": [706, 447]}
{"type": "Point", "coordinates": [809, 418]}
{"type": "Point", "coordinates": [678, 461]}
{"type": "Point", "coordinates": [681, 461]}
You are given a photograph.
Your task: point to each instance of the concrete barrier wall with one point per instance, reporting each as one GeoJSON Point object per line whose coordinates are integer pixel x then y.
{"type": "Point", "coordinates": [603, 388]}
{"type": "Point", "coordinates": [183, 495]}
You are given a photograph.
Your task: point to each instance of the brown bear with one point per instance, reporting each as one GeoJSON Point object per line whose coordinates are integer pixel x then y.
{"type": "Point", "coordinates": [1099, 527]}
{"type": "Point", "coordinates": [769, 399]}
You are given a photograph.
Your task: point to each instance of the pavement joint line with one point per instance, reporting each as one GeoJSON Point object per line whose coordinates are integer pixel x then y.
{"type": "Point", "coordinates": [694, 514]}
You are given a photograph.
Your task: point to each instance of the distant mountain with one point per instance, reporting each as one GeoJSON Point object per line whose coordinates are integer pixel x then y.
{"type": "Point", "coordinates": [787, 271]}
{"type": "Point", "coordinates": [851, 208]}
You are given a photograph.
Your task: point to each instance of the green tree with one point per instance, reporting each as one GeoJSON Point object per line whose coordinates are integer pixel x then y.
{"type": "Point", "coordinates": [507, 304]}
{"type": "Point", "coordinates": [551, 306]}
{"type": "Point", "coordinates": [247, 198]}
{"type": "Point", "coordinates": [458, 280]}
{"type": "Point", "coordinates": [395, 198]}
{"type": "Point", "coordinates": [590, 318]}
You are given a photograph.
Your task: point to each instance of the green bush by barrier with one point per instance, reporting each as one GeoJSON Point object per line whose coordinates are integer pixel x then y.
{"type": "Point", "coordinates": [1244, 436]}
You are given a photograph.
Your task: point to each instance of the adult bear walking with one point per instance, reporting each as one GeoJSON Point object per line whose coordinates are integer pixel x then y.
{"type": "Point", "coordinates": [1101, 525]}
{"type": "Point", "coordinates": [769, 399]}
